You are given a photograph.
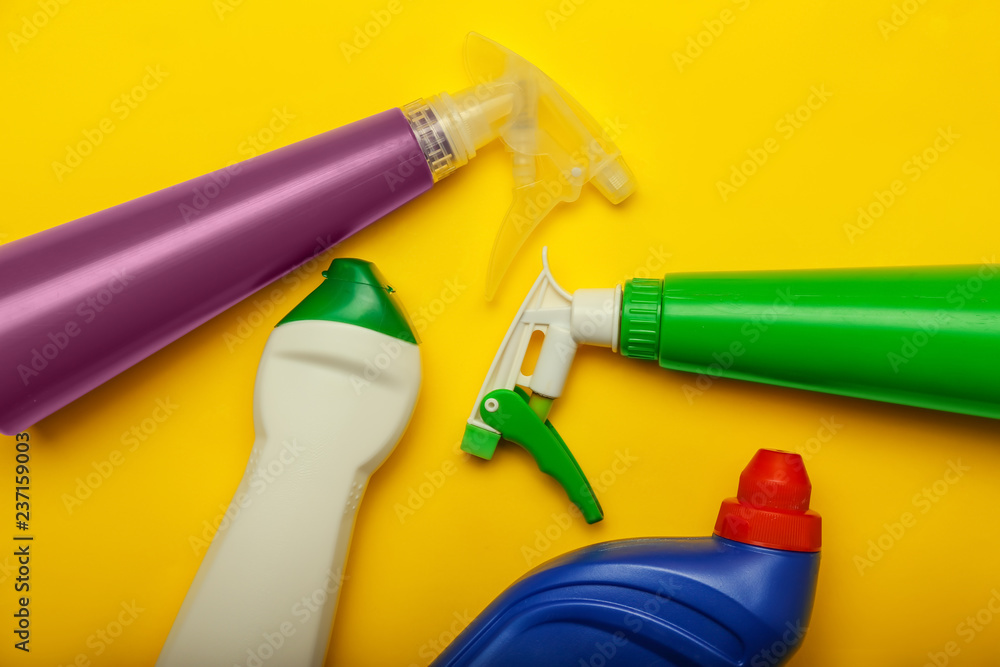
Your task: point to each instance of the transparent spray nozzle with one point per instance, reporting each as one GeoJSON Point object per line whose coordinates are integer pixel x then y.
{"type": "Point", "coordinates": [556, 145]}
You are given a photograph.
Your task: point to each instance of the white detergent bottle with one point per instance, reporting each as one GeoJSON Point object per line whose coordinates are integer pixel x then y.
{"type": "Point", "coordinates": [336, 386]}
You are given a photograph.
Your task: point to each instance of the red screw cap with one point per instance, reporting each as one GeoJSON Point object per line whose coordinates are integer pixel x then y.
{"type": "Point", "coordinates": [771, 508]}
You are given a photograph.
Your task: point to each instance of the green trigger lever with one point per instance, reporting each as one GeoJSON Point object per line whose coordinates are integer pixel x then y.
{"type": "Point", "coordinates": [514, 419]}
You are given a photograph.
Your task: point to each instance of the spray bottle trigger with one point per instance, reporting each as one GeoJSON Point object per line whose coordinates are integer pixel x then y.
{"type": "Point", "coordinates": [508, 412]}
{"type": "Point", "coordinates": [556, 145]}
{"type": "Point", "coordinates": [480, 442]}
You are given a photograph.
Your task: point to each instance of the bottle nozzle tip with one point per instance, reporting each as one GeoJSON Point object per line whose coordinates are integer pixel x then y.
{"type": "Point", "coordinates": [615, 181]}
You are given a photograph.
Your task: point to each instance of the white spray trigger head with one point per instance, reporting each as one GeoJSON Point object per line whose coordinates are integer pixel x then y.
{"type": "Point", "coordinates": [587, 317]}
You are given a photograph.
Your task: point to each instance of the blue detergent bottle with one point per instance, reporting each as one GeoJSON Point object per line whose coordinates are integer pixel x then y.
{"type": "Point", "coordinates": [740, 598]}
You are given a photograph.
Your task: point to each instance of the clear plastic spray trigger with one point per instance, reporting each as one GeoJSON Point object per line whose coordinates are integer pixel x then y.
{"type": "Point", "coordinates": [556, 145]}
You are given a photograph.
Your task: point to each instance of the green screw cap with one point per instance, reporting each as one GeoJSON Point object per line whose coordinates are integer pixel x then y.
{"type": "Point", "coordinates": [355, 292]}
{"type": "Point", "coordinates": [640, 330]}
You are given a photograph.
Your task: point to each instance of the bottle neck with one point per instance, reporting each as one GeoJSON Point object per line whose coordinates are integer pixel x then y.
{"type": "Point", "coordinates": [451, 128]}
{"type": "Point", "coordinates": [640, 319]}
{"type": "Point", "coordinates": [437, 137]}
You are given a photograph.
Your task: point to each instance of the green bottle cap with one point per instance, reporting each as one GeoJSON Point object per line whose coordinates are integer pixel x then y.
{"type": "Point", "coordinates": [355, 292]}
{"type": "Point", "coordinates": [640, 330]}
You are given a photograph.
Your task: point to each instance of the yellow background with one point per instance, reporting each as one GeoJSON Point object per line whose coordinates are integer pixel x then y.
{"type": "Point", "coordinates": [681, 128]}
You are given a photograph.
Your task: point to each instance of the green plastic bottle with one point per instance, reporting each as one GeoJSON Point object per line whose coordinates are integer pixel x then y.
{"type": "Point", "coordinates": [921, 336]}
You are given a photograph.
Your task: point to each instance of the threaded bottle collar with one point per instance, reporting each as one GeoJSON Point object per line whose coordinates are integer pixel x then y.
{"type": "Point", "coordinates": [640, 328]}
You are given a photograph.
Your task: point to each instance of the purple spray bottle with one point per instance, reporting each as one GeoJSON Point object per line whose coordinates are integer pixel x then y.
{"type": "Point", "coordinates": [83, 301]}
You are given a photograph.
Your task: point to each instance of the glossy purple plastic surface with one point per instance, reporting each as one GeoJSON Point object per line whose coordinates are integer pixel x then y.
{"type": "Point", "coordinates": [81, 302]}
